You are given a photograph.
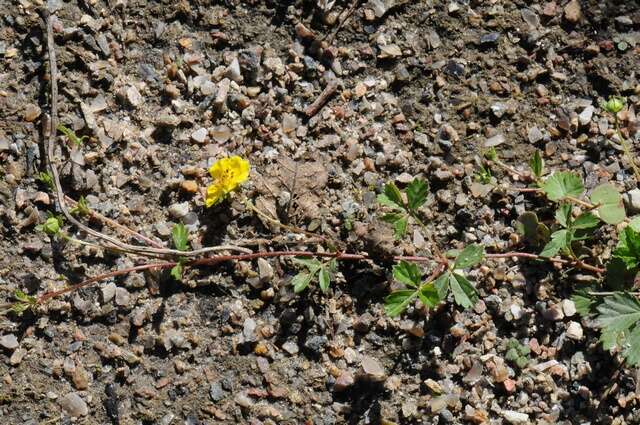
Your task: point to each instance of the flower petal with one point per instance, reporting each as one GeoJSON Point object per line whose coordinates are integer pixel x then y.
{"type": "Point", "coordinates": [215, 193]}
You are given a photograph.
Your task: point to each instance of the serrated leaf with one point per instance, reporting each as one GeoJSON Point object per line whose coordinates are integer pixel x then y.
{"type": "Point", "coordinates": [611, 209]}
{"type": "Point", "coordinates": [407, 273]}
{"type": "Point", "coordinates": [618, 312]}
{"type": "Point", "coordinates": [628, 248]}
{"type": "Point", "coordinates": [469, 256]}
{"type": "Point", "coordinates": [428, 295]}
{"type": "Point", "coordinates": [301, 281]}
{"type": "Point", "coordinates": [563, 215]}
{"type": "Point", "coordinates": [442, 285]}
{"type": "Point", "coordinates": [312, 264]}
{"type": "Point", "coordinates": [464, 294]}
{"type": "Point", "coordinates": [397, 302]}
{"type": "Point", "coordinates": [631, 350]}
{"type": "Point", "coordinates": [562, 184]}
{"type": "Point", "coordinates": [393, 194]}
{"type": "Point", "coordinates": [324, 279]}
{"type": "Point", "coordinates": [176, 271]}
{"type": "Point", "coordinates": [537, 164]}
{"type": "Point", "coordinates": [384, 200]}
{"type": "Point", "coordinates": [400, 227]}
{"type": "Point", "coordinates": [392, 217]}
{"type": "Point", "coordinates": [180, 236]}
{"type": "Point", "coordinates": [417, 192]}
{"type": "Point", "coordinates": [559, 240]}
{"type": "Point", "coordinates": [585, 221]}
{"type": "Point", "coordinates": [584, 302]}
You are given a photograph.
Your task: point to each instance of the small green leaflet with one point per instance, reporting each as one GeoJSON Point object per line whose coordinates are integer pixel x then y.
{"type": "Point", "coordinates": [397, 302]}
{"type": "Point", "coordinates": [176, 271]}
{"type": "Point", "coordinates": [585, 221]}
{"type": "Point", "coordinates": [428, 295]}
{"type": "Point", "coordinates": [469, 256]}
{"type": "Point", "coordinates": [562, 184]}
{"type": "Point", "coordinates": [537, 164]}
{"type": "Point", "coordinates": [417, 192]}
{"type": "Point", "coordinates": [180, 236]}
{"type": "Point", "coordinates": [301, 281]}
{"type": "Point", "coordinates": [584, 302]}
{"type": "Point", "coordinates": [628, 248]}
{"type": "Point", "coordinates": [314, 267]}
{"type": "Point", "coordinates": [534, 232]}
{"type": "Point", "coordinates": [392, 197]}
{"type": "Point", "coordinates": [464, 294]}
{"type": "Point", "coordinates": [559, 240]}
{"type": "Point", "coordinates": [407, 273]}
{"type": "Point", "coordinates": [610, 209]}
{"type": "Point", "coordinates": [563, 215]}
{"type": "Point", "coordinates": [618, 317]}
{"type": "Point", "coordinates": [71, 135]}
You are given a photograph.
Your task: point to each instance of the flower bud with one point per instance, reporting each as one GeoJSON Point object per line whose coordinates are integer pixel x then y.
{"type": "Point", "coordinates": [614, 104]}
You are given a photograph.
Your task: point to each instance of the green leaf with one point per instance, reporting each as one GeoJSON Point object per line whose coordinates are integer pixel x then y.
{"type": "Point", "coordinates": [428, 295]}
{"type": "Point", "coordinates": [71, 135]}
{"type": "Point", "coordinates": [618, 312]}
{"type": "Point", "coordinates": [51, 226]}
{"type": "Point", "coordinates": [417, 192]}
{"type": "Point", "coordinates": [559, 240]}
{"type": "Point", "coordinates": [442, 285]}
{"type": "Point", "coordinates": [176, 271]}
{"type": "Point", "coordinates": [537, 164]}
{"type": "Point", "coordinates": [584, 302]}
{"type": "Point", "coordinates": [180, 236]}
{"type": "Point", "coordinates": [407, 273]}
{"type": "Point", "coordinates": [384, 200]}
{"type": "Point", "coordinates": [393, 194]}
{"type": "Point", "coordinates": [563, 215]}
{"type": "Point", "coordinates": [392, 217]}
{"type": "Point", "coordinates": [611, 209]}
{"type": "Point", "coordinates": [562, 184]}
{"type": "Point", "coordinates": [635, 223]}
{"type": "Point", "coordinates": [312, 264]}
{"type": "Point", "coordinates": [534, 232]}
{"type": "Point", "coordinates": [301, 281]}
{"type": "Point", "coordinates": [324, 279]}
{"type": "Point", "coordinates": [464, 294]}
{"type": "Point", "coordinates": [628, 248]}
{"type": "Point", "coordinates": [631, 350]}
{"type": "Point", "coordinates": [400, 227]}
{"type": "Point", "coordinates": [469, 256]}
{"type": "Point", "coordinates": [397, 302]}
{"type": "Point", "coordinates": [585, 220]}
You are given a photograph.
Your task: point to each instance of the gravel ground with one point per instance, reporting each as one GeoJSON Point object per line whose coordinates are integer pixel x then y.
{"type": "Point", "coordinates": [163, 89]}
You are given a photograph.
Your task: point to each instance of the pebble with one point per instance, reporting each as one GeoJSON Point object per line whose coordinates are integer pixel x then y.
{"type": "Point", "coordinates": [9, 341]}
{"type": "Point", "coordinates": [265, 271]}
{"type": "Point", "coordinates": [514, 417]}
{"type": "Point", "coordinates": [31, 113]}
{"type": "Point", "coordinates": [343, 382]}
{"type": "Point", "coordinates": [574, 331]}
{"type": "Point", "coordinates": [74, 405]}
{"type": "Point", "coordinates": [554, 313]}
{"type": "Point", "coordinates": [133, 96]}
{"type": "Point", "coordinates": [496, 140]}
{"type": "Point", "coordinates": [535, 135]}
{"type": "Point", "coordinates": [122, 296]}
{"type": "Point", "coordinates": [572, 11]}
{"type": "Point", "coordinates": [632, 201]}
{"type": "Point", "coordinates": [569, 308]}
{"type": "Point", "coordinates": [200, 135]}
{"type": "Point", "coordinates": [586, 115]}
{"type": "Point", "coordinates": [108, 292]}
{"type": "Point", "coordinates": [179, 210]}
{"type": "Point", "coordinates": [371, 370]}
{"type": "Point", "coordinates": [216, 392]}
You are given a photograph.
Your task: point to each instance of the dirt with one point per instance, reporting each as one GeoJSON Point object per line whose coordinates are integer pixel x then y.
{"type": "Point", "coordinates": [234, 344]}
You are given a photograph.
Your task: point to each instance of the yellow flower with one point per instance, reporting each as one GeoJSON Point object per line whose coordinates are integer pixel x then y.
{"type": "Point", "coordinates": [228, 174]}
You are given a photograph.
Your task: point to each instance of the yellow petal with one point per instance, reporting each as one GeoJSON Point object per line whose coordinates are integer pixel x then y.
{"type": "Point", "coordinates": [215, 193]}
{"type": "Point", "coordinates": [217, 170]}
{"type": "Point", "coordinates": [240, 169]}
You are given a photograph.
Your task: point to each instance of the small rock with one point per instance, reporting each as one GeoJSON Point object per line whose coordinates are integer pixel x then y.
{"type": "Point", "coordinates": [233, 71]}
{"type": "Point", "coordinates": [514, 417]}
{"type": "Point", "coordinates": [390, 51]}
{"type": "Point", "coordinates": [133, 96]}
{"type": "Point", "coordinates": [179, 210]}
{"type": "Point", "coordinates": [554, 313]}
{"type": "Point", "coordinates": [108, 292]}
{"type": "Point", "coordinates": [409, 409]}
{"type": "Point", "coordinates": [344, 381]}
{"type": "Point", "coordinates": [31, 113]}
{"type": "Point", "coordinates": [291, 347]}
{"type": "Point", "coordinates": [122, 296]}
{"type": "Point", "coordinates": [265, 271]}
{"type": "Point", "coordinates": [569, 308]}
{"type": "Point", "coordinates": [74, 405]}
{"type": "Point", "coordinates": [490, 38]}
{"type": "Point", "coordinates": [200, 135]}
{"type": "Point", "coordinates": [371, 370]}
{"type": "Point", "coordinates": [585, 115]}
{"type": "Point", "coordinates": [9, 341]}
{"type": "Point", "coordinates": [166, 119]}
{"type": "Point", "coordinates": [572, 11]}
{"type": "Point", "coordinates": [632, 201]}
{"type": "Point", "coordinates": [535, 135]}
{"type": "Point", "coordinates": [216, 392]}
{"type": "Point", "coordinates": [496, 140]}
{"type": "Point", "coordinates": [530, 17]}
{"type": "Point", "coordinates": [574, 331]}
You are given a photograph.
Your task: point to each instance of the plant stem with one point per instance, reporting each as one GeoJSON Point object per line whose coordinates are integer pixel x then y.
{"type": "Point", "coordinates": [337, 255]}
{"type": "Point", "coordinates": [626, 149]}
